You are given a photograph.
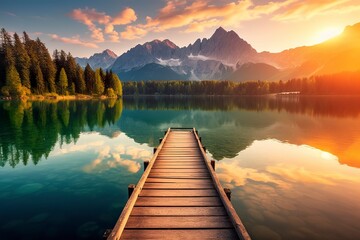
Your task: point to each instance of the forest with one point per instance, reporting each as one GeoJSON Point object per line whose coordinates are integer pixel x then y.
{"type": "Point", "coordinates": [347, 83]}
{"type": "Point", "coordinates": [27, 68]}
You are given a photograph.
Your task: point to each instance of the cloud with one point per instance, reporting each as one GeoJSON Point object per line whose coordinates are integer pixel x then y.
{"type": "Point", "coordinates": [92, 19]}
{"type": "Point", "coordinates": [111, 158]}
{"type": "Point", "coordinates": [124, 17]}
{"type": "Point", "coordinates": [133, 32]}
{"type": "Point", "coordinates": [200, 15]}
{"type": "Point", "coordinates": [73, 40]}
{"type": "Point", "coordinates": [299, 10]}
{"type": "Point", "coordinates": [78, 148]}
{"type": "Point", "coordinates": [130, 165]}
{"type": "Point", "coordinates": [10, 14]}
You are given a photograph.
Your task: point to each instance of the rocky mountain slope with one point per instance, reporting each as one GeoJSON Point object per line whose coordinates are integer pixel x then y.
{"type": "Point", "coordinates": [99, 60]}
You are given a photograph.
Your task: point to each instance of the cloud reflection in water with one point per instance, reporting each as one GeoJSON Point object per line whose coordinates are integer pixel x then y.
{"type": "Point", "coordinates": [286, 191]}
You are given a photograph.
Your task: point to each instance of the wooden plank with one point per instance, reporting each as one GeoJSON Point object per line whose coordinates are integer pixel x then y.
{"type": "Point", "coordinates": [179, 170]}
{"type": "Point", "coordinates": [178, 211]}
{"type": "Point", "coordinates": [179, 160]}
{"type": "Point", "coordinates": [181, 146]}
{"type": "Point", "coordinates": [187, 234]}
{"type": "Point", "coordinates": [180, 175]}
{"type": "Point", "coordinates": [179, 193]}
{"type": "Point", "coordinates": [187, 166]}
{"type": "Point", "coordinates": [177, 163]}
{"type": "Point", "coordinates": [177, 186]}
{"type": "Point", "coordinates": [179, 222]}
{"type": "Point", "coordinates": [178, 201]}
{"type": "Point", "coordinates": [178, 180]}
{"type": "Point", "coordinates": [182, 154]}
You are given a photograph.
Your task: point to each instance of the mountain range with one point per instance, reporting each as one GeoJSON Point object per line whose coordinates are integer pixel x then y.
{"type": "Point", "coordinates": [99, 60]}
{"type": "Point", "coordinates": [227, 56]}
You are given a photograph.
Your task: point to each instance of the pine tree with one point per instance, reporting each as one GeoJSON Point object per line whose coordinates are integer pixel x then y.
{"type": "Point", "coordinates": [13, 83]}
{"type": "Point", "coordinates": [89, 79]}
{"type": "Point", "coordinates": [7, 48]}
{"type": "Point", "coordinates": [63, 82]}
{"type": "Point", "coordinates": [115, 84]}
{"type": "Point", "coordinates": [107, 79]}
{"type": "Point", "coordinates": [99, 84]}
{"type": "Point", "coordinates": [39, 80]}
{"type": "Point", "coordinates": [22, 61]}
{"type": "Point", "coordinates": [36, 75]}
{"type": "Point", "coordinates": [47, 66]}
{"type": "Point", "coordinates": [80, 86]}
{"type": "Point", "coordinates": [70, 68]}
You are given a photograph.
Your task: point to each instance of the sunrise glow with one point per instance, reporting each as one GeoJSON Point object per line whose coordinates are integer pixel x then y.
{"type": "Point", "coordinates": [327, 34]}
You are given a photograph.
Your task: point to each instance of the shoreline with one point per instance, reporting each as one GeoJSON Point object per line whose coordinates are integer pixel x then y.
{"type": "Point", "coordinates": [58, 98]}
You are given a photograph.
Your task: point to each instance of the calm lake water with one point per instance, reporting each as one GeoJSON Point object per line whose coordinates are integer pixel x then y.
{"type": "Point", "coordinates": [293, 163]}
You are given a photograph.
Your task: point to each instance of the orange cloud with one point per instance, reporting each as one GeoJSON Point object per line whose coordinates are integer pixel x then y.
{"type": "Point", "coordinates": [91, 17]}
{"type": "Point", "coordinates": [127, 16]}
{"type": "Point", "coordinates": [133, 32]}
{"type": "Point", "coordinates": [73, 40]}
{"type": "Point", "coordinates": [200, 15]}
{"type": "Point", "coordinates": [309, 8]}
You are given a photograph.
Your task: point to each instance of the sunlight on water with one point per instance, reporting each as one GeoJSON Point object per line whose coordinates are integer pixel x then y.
{"type": "Point", "coordinates": [295, 191]}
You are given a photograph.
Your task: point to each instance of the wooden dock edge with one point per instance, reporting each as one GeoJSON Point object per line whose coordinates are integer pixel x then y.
{"type": "Point", "coordinates": [120, 224]}
{"type": "Point", "coordinates": [235, 219]}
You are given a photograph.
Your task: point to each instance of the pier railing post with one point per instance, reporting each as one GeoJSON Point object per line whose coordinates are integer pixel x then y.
{"type": "Point", "coordinates": [212, 162]}
{"type": "Point", "coordinates": [228, 193]}
{"type": "Point", "coordinates": [146, 163]}
{"type": "Point", "coordinates": [155, 149]}
{"type": "Point", "coordinates": [131, 188]}
{"type": "Point", "coordinates": [160, 140]}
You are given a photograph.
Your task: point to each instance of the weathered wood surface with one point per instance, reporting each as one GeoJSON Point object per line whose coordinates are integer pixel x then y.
{"type": "Point", "coordinates": [179, 197]}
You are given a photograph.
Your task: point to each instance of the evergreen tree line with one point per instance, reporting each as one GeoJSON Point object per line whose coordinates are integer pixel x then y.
{"type": "Point", "coordinates": [26, 67]}
{"type": "Point", "coordinates": [347, 83]}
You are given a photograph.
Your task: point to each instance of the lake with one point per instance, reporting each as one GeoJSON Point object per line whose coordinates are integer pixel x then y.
{"type": "Point", "coordinates": [293, 163]}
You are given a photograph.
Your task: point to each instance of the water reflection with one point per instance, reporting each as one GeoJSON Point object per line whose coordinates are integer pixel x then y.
{"type": "Point", "coordinates": [296, 192]}
{"type": "Point", "coordinates": [30, 130]}
{"type": "Point", "coordinates": [77, 193]}
{"type": "Point", "coordinates": [228, 125]}
{"type": "Point", "coordinates": [296, 186]}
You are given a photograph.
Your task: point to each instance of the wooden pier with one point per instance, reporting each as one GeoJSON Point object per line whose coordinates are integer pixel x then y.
{"type": "Point", "coordinates": [179, 196]}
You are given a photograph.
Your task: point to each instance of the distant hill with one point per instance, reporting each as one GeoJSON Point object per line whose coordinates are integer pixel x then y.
{"type": "Point", "coordinates": [151, 71]}
{"type": "Point", "coordinates": [99, 60]}
{"type": "Point", "coordinates": [254, 71]}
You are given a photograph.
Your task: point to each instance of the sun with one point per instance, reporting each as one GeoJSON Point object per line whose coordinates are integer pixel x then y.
{"type": "Point", "coordinates": [327, 156]}
{"type": "Point", "coordinates": [327, 33]}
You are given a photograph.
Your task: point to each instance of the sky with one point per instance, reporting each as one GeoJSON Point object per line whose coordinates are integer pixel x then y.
{"type": "Point", "coordinates": [86, 27]}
